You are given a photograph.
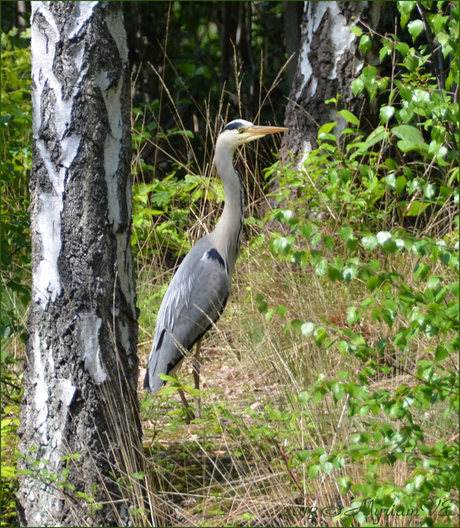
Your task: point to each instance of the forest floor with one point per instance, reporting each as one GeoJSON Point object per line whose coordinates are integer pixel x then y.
{"type": "Point", "coordinates": [236, 463]}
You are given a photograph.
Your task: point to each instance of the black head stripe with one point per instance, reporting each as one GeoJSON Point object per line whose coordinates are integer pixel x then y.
{"type": "Point", "coordinates": [234, 125]}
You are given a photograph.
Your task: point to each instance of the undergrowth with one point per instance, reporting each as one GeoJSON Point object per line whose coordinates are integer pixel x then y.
{"type": "Point", "coordinates": [330, 385]}
{"type": "Point", "coordinates": [330, 389]}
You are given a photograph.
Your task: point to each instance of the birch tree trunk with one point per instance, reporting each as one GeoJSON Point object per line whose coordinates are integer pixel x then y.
{"type": "Point", "coordinates": [327, 65]}
{"type": "Point", "coordinates": [79, 411]}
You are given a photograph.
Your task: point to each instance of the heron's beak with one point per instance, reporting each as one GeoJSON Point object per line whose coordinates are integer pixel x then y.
{"type": "Point", "coordinates": [256, 132]}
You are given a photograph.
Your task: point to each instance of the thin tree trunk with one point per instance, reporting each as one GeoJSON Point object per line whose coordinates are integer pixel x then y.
{"type": "Point", "coordinates": [292, 12]}
{"type": "Point", "coordinates": [80, 378]}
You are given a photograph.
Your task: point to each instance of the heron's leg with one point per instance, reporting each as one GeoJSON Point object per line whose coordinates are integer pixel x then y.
{"type": "Point", "coordinates": [196, 373]}
{"type": "Point", "coordinates": [190, 415]}
{"type": "Point", "coordinates": [196, 365]}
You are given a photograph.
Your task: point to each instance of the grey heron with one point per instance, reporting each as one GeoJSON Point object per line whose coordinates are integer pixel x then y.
{"type": "Point", "coordinates": [198, 292]}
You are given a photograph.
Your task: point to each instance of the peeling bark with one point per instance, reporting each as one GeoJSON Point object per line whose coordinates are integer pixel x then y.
{"type": "Point", "coordinates": [80, 379]}
{"type": "Point", "coordinates": [327, 64]}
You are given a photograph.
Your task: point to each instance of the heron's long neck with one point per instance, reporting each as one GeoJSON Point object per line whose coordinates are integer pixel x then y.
{"type": "Point", "coordinates": [228, 230]}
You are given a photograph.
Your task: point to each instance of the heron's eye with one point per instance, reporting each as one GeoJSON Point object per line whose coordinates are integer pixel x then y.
{"type": "Point", "coordinates": [240, 130]}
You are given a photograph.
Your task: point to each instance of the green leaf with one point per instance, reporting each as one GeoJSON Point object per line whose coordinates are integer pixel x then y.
{"type": "Point", "coordinates": [307, 328]}
{"type": "Point", "coordinates": [282, 245]}
{"type": "Point", "coordinates": [352, 243]}
{"type": "Point", "coordinates": [386, 113]}
{"type": "Point", "coordinates": [329, 242]}
{"type": "Point", "coordinates": [406, 94]}
{"type": "Point", "coordinates": [441, 353]}
{"type": "Point", "coordinates": [381, 345]}
{"type": "Point", "coordinates": [400, 184]}
{"type": "Point", "coordinates": [338, 391]}
{"type": "Point", "coordinates": [356, 31]}
{"type": "Point", "coordinates": [333, 273]}
{"type": "Point", "coordinates": [416, 208]}
{"type": "Point", "coordinates": [369, 242]}
{"type": "Point", "coordinates": [411, 138]}
{"type": "Point", "coordinates": [281, 309]}
{"type": "Point", "coordinates": [307, 230]}
{"type": "Point", "coordinates": [319, 335]}
{"type": "Point", "coordinates": [415, 28]}
{"type": "Point", "coordinates": [297, 325]}
{"type": "Point", "coordinates": [433, 281]}
{"type": "Point", "coordinates": [187, 68]}
{"type": "Point", "coordinates": [348, 273]}
{"type": "Point", "coordinates": [430, 190]}
{"type": "Point", "coordinates": [454, 288]}
{"type": "Point", "coordinates": [304, 396]}
{"type": "Point", "coordinates": [166, 391]}
{"type": "Point", "coordinates": [321, 267]}
{"type": "Point", "coordinates": [345, 232]}
{"type": "Point", "coordinates": [323, 137]}
{"type": "Point", "coordinates": [391, 164]}
{"type": "Point", "coordinates": [421, 271]}
{"type": "Point", "coordinates": [391, 180]}
{"type": "Point", "coordinates": [352, 314]}
{"type": "Point", "coordinates": [269, 314]}
{"type": "Point", "coordinates": [313, 471]}
{"type": "Point", "coordinates": [378, 135]}
{"type": "Point", "coordinates": [191, 390]}
{"type": "Point", "coordinates": [385, 50]}
{"type": "Point", "coordinates": [262, 306]}
{"type": "Point", "coordinates": [139, 475]}
{"type": "Point", "coordinates": [365, 42]}
{"type": "Point", "coordinates": [374, 282]}
{"type": "Point", "coordinates": [357, 86]}
{"type": "Point", "coordinates": [326, 128]}
{"type": "Point", "coordinates": [403, 48]}
{"type": "Point", "coordinates": [369, 78]}
{"type": "Point", "coordinates": [348, 116]}
{"type": "Point", "coordinates": [405, 8]}
{"type": "Point", "coordinates": [165, 377]}
{"type": "Point", "coordinates": [384, 237]}
{"type": "Point", "coordinates": [303, 455]}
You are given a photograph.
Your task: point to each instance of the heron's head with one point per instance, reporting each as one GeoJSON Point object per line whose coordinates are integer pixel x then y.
{"type": "Point", "coordinates": [239, 132]}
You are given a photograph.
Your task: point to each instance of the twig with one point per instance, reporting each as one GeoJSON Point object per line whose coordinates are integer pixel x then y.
{"type": "Point", "coordinates": [291, 471]}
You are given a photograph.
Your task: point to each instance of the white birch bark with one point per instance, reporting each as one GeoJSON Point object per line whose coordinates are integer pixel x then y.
{"type": "Point", "coordinates": [327, 64]}
{"type": "Point", "coordinates": [81, 371]}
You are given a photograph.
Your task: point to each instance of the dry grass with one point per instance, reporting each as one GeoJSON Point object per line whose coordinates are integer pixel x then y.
{"type": "Point", "coordinates": [220, 465]}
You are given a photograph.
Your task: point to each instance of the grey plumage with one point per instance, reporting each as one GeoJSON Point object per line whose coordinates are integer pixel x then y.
{"type": "Point", "coordinates": [199, 290]}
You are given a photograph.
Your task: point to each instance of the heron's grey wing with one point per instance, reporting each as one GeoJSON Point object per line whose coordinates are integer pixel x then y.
{"type": "Point", "coordinates": [194, 300]}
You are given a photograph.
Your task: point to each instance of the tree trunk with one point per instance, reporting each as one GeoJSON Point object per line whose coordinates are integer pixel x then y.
{"type": "Point", "coordinates": [292, 12]}
{"type": "Point", "coordinates": [327, 64]}
{"type": "Point", "coordinates": [80, 379]}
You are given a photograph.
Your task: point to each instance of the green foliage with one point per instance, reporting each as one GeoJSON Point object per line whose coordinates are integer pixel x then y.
{"type": "Point", "coordinates": [9, 427]}
{"type": "Point", "coordinates": [166, 205]}
{"type": "Point", "coordinates": [417, 101]}
{"type": "Point", "coordinates": [15, 167]}
{"type": "Point", "coordinates": [15, 244]}
{"type": "Point", "coordinates": [385, 194]}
